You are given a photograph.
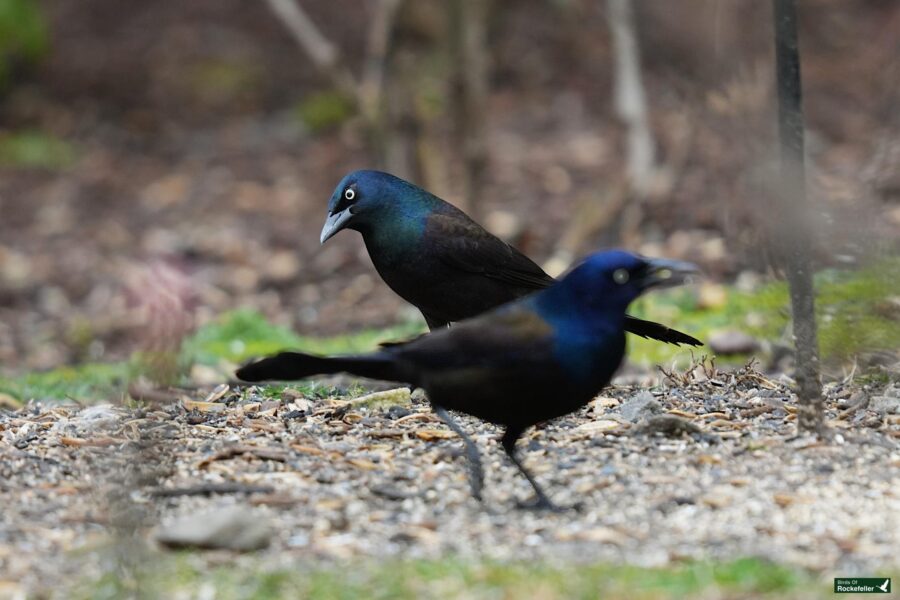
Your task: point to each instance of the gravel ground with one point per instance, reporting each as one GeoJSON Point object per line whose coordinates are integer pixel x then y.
{"type": "Point", "coordinates": [708, 465]}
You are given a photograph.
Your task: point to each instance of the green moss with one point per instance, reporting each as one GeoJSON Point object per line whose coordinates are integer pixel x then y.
{"type": "Point", "coordinates": [35, 149]}
{"type": "Point", "coordinates": [212, 82]}
{"type": "Point", "coordinates": [324, 110]}
{"type": "Point", "coordinates": [23, 36]}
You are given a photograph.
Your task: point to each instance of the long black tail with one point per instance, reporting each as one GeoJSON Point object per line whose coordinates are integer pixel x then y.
{"type": "Point", "coordinates": [296, 365]}
{"type": "Point", "coordinates": [658, 331]}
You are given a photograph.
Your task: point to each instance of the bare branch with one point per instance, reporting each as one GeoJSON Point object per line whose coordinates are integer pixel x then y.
{"type": "Point", "coordinates": [321, 51]}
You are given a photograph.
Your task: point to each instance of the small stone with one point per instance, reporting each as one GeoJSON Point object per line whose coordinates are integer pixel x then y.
{"type": "Point", "coordinates": [885, 405]}
{"type": "Point", "coordinates": [670, 425]}
{"type": "Point", "coordinates": [640, 406]}
{"type": "Point", "coordinates": [730, 342]}
{"type": "Point", "coordinates": [239, 528]}
{"type": "Point", "coordinates": [396, 412]}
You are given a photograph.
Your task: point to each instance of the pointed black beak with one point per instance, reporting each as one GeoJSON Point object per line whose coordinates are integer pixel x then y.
{"type": "Point", "coordinates": [662, 273]}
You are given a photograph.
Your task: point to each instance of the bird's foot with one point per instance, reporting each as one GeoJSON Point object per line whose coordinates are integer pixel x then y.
{"type": "Point", "coordinates": [544, 503]}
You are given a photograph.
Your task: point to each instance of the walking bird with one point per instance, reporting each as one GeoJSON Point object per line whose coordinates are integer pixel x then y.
{"type": "Point", "coordinates": [528, 361]}
{"type": "Point", "coordinates": [437, 258]}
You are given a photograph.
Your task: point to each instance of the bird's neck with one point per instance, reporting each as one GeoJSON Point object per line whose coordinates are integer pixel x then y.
{"type": "Point", "coordinates": [567, 307]}
{"type": "Point", "coordinates": [392, 237]}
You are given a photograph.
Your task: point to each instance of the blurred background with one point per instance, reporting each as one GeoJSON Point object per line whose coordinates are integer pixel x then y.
{"type": "Point", "coordinates": [165, 165]}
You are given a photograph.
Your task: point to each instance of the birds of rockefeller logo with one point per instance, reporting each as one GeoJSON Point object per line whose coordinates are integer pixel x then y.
{"type": "Point", "coordinates": [862, 585]}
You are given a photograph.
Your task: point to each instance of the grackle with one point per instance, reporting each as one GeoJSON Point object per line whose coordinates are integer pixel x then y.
{"type": "Point", "coordinates": [534, 359]}
{"type": "Point", "coordinates": [437, 258]}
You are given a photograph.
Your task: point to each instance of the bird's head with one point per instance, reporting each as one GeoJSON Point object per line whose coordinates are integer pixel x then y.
{"type": "Point", "coordinates": [364, 196]}
{"type": "Point", "coordinates": [611, 280]}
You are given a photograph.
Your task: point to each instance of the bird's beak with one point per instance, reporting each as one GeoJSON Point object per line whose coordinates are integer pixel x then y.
{"type": "Point", "coordinates": [334, 223]}
{"type": "Point", "coordinates": [662, 273]}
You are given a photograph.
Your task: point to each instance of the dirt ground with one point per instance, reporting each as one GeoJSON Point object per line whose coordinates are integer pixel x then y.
{"type": "Point", "coordinates": [706, 466]}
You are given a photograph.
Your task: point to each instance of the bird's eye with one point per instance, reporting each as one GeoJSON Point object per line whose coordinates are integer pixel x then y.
{"type": "Point", "coordinates": [349, 194]}
{"type": "Point", "coordinates": [621, 276]}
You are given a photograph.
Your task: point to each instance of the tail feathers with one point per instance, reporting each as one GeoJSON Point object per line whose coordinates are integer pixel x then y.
{"type": "Point", "coordinates": [288, 366]}
{"type": "Point", "coordinates": [658, 331]}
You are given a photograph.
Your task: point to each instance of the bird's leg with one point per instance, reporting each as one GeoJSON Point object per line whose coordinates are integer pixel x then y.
{"type": "Point", "coordinates": [476, 473]}
{"type": "Point", "coordinates": [541, 501]}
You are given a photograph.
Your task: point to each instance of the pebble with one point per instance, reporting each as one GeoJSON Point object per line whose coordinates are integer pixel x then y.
{"type": "Point", "coordinates": [239, 528]}
{"type": "Point", "coordinates": [639, 407]}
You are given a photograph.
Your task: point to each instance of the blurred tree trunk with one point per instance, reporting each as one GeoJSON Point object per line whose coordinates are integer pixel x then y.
{"type": "Point", "coordinates": [469, 85]}
{"type": "Point", "coordinates": [794, 235]}
{"type": "Point", "coordinates": [630, 100]}
{"type": "Point", "coordinates": [622, 202]}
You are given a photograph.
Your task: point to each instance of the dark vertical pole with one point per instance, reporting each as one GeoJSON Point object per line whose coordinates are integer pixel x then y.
{"type": "Point", "coordinates": [795, 239]}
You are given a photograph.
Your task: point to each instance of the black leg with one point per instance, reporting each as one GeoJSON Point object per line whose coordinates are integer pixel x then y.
{"type": "Point", "coordinates": [541, 501]}
{"type": "Point", "coordinates": [476, 473]}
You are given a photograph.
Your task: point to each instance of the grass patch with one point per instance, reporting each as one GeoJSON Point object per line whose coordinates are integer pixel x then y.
{"type": "Point", "coordinates": [244, 334]}
{"type": "Point", "coordinates": [233, 338]}
{"type": "Point", "coordinates": [84, 383]}
{"type": "Point", "coordinates": [853, 311]}
{"type": "Point", "coordinates": [35, 150]}
{"type": "Point", "coordinates": [181, 575]}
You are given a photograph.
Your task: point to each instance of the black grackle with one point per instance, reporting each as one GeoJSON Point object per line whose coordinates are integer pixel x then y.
{"type": "Point", "coordinates": [540, 357]}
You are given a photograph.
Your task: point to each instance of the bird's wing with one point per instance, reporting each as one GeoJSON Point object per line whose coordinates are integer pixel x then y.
{"type": "Point", "coordinates": [510, 336]}
{"type": "Point", "coordinates": [463, 244]}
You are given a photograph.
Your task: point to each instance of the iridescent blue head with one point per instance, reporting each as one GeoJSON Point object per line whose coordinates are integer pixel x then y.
{"type": "Point", "coordinates": [363, 197]}
{"type": "Point", "coordinates": [607, 282]}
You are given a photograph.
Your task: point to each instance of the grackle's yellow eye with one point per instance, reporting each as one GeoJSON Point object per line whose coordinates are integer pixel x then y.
{"type": "Point", "coordinates": [349, 194]}
{"type": "Point", "coordinates": [621, 276]}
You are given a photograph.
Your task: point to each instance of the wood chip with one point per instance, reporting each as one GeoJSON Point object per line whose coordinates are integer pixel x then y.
{"type": "Point", "coordinates": [387, 433]}
{"type": "Point", "coordinates": [421, 416]}
{"type": "Point", "coordinates": [591, 428]}
{"type": "Point", "coordinates": [682, 413]}
{"type": "Point", "coordinates": [432, 435]}
{"type": "Point", "coordinates": [200, 406]}
{"type": "Point", "coordinates": [307, 449]}
{"type": "Point", "coordinates": [218, 393]}
{"type": "Point", "coordinates": [100, 442]}
{"type": "Point", "coordinates": [361, 463]}
{"type": "Point", "coordinates": [263, 452]}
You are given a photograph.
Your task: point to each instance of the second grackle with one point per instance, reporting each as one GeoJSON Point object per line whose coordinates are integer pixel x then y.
{"type": "Point", "coordinates": [437, 258]}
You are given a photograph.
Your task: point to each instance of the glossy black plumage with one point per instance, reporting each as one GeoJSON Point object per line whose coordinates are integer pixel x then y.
{"type": "Point", "coordinates": [529, 361]}
{"type": "Point", "coordinates": [437, 258]}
